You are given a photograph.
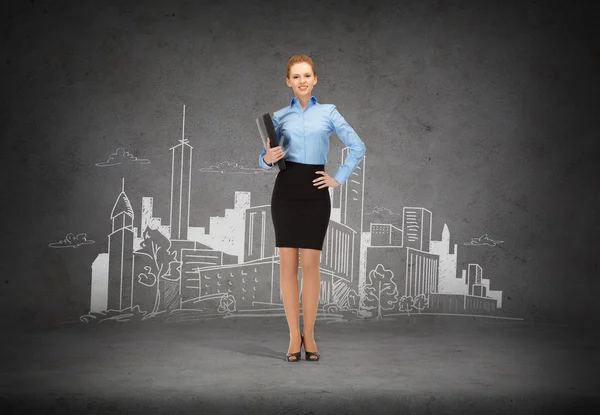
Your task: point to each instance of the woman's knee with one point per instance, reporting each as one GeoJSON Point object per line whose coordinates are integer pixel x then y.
{"type": "Point", "coordinates": [310, 260]}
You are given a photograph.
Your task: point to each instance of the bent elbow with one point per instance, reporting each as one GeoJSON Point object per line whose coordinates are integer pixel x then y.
{"type": "Point", "coordinates": [361, 150]}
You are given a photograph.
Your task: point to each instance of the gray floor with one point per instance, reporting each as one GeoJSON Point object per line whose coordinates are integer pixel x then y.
{"type": "Point", "coordinates": [421, 365]}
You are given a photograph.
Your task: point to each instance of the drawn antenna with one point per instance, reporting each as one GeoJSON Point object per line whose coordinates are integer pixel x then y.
{"type": "Point", "coordinates": [183, 127]}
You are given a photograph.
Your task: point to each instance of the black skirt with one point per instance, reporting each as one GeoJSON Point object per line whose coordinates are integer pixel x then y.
{"type": "Point", "coordinates": [300, 210]}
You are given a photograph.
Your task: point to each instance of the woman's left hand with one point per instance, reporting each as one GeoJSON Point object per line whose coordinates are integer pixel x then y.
{"type": "Point", "coordinates": [325, 181]}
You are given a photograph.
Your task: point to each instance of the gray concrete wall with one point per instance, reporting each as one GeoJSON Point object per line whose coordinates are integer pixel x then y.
{"type": "Point", "coordinates": [482, 115]}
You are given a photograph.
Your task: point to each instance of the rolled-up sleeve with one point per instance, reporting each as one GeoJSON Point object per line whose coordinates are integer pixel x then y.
{"type": "Point", "coordinates": [351, 140]}
{"type": "Point", "coordinates": [261, 162]}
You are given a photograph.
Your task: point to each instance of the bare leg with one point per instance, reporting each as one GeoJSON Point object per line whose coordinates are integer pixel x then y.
{"type": "Point", "coordinates": [290, 292]}
{"type": "Point", "coordinates": [311, 289]}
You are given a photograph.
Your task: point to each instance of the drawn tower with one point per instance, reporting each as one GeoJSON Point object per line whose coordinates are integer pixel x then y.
{"type": "Point", "coordinates": [416, 227]}
{"type": "Point", "coordinates": [120, 254]}
{"type": "Point", "coordinates": [181, 181]}
{"type": "Point", "coordinates": [351, 202]}
{"type": "Point", "coordinates": [447, 282]}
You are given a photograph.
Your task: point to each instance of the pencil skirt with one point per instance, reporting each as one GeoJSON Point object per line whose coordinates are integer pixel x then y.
{"type": "Point", "coordinates": [300, 211]}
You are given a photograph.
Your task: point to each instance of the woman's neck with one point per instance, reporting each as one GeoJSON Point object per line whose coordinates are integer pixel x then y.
{"type": "Point", "coordinates": [303, 101]}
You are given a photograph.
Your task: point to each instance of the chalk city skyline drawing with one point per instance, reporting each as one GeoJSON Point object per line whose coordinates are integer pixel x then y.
{"type": "Point", "coordinates": [181, 272]}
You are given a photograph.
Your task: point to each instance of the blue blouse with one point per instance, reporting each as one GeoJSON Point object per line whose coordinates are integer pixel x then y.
{"type": "Point", "coordinates": [306, 136]}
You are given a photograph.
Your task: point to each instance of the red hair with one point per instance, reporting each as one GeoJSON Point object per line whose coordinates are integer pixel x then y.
{"type": "Point", "coordinates": [298, 59]}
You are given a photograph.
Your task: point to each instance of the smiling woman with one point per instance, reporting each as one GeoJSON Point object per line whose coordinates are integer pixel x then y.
{"type": "Point", "coordinates": [300, 203]}
{"type": "Point", "coordinates": [301, 75]}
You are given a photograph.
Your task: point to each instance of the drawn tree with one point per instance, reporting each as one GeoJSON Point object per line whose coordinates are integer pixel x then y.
{"type": "Point", "coordinates": [381, 291]}
{"type": "Point", "coordinates": [170, 286]}
{"type": "Point", "coordinates": [406, 303]}
{"type": "Point", "coordinates": [156, 246]}
{"type": "Point", "coordinates": [420, 302]}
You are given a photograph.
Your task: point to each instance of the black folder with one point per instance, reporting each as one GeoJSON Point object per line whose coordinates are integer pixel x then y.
{"type": "Point", "coordinates": [267, 129]}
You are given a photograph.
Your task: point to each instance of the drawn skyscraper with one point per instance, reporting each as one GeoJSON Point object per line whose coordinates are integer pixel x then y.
{"type": "Point", "coordinates": [352, 196]}
{"type": "Point", "coordinates": [474, 274]}
{"type": "Point", "coordinates": [120, 254]}
{"type": "Point", "coordinates": [416, 228]}
{"type": "Point", "coordinates": [448, 281]}
{"type": "Point", "coordinates": [181, 181]}
{"type": "Point", "coordinates": [351, 199]}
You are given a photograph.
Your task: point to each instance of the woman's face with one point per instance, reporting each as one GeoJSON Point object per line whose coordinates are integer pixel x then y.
{"type": "Point", "coordinates": [301, 79]}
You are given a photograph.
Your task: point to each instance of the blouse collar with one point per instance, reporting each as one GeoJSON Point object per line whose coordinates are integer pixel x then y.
{"type": "Point", "coordinates": [295, 99]}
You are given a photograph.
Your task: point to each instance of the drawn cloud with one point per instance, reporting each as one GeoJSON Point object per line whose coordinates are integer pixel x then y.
{"type": "Point", "coordinates": [378, 210]}
{"type": "Point", "coordinates": [483, 240]}
{"type": "Point", "coordinates": [72, 241]}
{"type": "Point", "coordinates": [226, 167]}
{"type": "Point", "coordinates": [121, 156]}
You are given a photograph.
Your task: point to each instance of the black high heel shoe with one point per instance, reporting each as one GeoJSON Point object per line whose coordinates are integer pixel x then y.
{"type": "Point", "coordinates": [307, 354]}
{"type": "Point", "coordinates": [297, 355]}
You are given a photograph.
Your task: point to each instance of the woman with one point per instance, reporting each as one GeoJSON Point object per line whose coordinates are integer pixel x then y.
{"type": "Point", "coordinates": [300, 203]}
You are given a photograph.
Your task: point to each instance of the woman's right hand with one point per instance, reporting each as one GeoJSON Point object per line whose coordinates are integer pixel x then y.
{"type": "Point", "coordinates": [273, 154]}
